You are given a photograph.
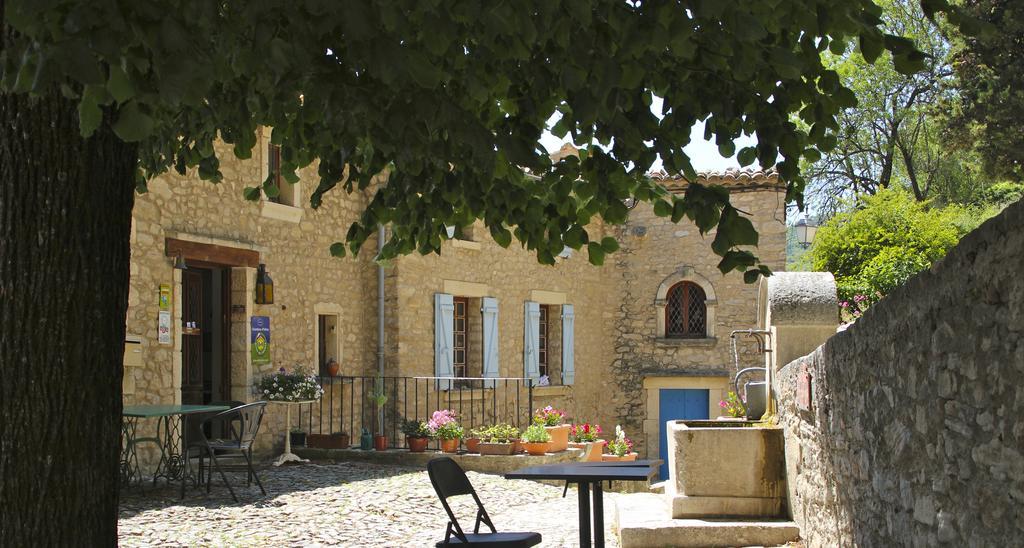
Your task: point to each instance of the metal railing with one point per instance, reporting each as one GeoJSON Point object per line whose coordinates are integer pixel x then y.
{"type": "Point", "coordinates": [347, 405]}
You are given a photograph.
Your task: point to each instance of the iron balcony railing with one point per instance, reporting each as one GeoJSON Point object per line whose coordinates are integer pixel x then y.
{"type": "Point", "coordinates": [347, 405]}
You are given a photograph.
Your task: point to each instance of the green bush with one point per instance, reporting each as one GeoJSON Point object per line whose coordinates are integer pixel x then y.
{"type": "Point", "coordinates": [1001, 194]}
{"type": "Point", "coordinates": [890, 237]}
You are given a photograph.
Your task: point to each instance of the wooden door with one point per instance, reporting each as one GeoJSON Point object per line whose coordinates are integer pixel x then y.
{"type": "Point", "coordinates": [191, 337]}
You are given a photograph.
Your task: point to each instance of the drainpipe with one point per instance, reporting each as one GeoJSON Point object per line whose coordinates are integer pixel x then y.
{"type": "Point", "coordinates": [381, 233]}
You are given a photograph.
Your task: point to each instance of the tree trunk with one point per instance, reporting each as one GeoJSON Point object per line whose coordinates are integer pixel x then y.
{"type": "Point", "coordinates": [65, 221]}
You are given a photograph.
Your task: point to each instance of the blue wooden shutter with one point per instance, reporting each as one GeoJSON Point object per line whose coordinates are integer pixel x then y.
{"type": "Point", "coordinates": [531, 341]}
{"type": "Point", "coordinates": [489, 309]}
{"type": "Point", "coordinates": [568, 340]}
{"type": "Point", "coordinates": [444, 339]}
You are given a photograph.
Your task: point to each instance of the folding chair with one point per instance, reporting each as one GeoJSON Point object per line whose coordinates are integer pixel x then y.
{"type": "Point", "coordinates": [450, 480]}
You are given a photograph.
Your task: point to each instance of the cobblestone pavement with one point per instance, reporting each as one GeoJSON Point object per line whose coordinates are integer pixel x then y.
{"type": "Point", "coordinates": [343, 504]}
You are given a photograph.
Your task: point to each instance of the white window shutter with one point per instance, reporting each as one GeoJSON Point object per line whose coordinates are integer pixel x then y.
{"type": "Point", "coordinates": [531, 341]}
{"type": "Point", "coordinates": [568, 342]}
{"type": "Point", "coordinates": [444, 339]}
{"type": "Point", "coordinates": [489, 310]}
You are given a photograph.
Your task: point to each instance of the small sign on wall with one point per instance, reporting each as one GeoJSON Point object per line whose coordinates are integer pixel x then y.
{"type": "Point", "coordinates": [164, 327]}
{"type": "Point", "coordinates": [164, 300]}
{"type": "Point", "coordinates": [803, 388]}
{"type": "Point", "coordinates": [260, 340]}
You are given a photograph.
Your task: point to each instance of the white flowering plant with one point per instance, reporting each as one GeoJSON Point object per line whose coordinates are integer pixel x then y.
{"type": "Point", "coordinates": [298, 385]}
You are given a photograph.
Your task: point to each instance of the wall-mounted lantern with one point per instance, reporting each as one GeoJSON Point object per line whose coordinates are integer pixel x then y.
{"type": "Point", "coordinates": [264, 286]}
{"type": "Point", "coordinates": [179, 262]}
{"type": "Point", "coordinates": [805, 232]}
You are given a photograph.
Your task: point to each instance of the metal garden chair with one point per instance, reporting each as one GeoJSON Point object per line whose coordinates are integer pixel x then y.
{"type": "Point", "coordinates": [241, 425]}
{"type": "Point", "coordinates": [450, 480]}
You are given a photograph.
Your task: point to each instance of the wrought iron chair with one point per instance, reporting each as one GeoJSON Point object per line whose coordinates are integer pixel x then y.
{"type": "Point", "coordinates": [222, 428]}
{"type": "Point", "coordinates": [450, 480]}
{"type": "Point", "coordinates": [243, 422]}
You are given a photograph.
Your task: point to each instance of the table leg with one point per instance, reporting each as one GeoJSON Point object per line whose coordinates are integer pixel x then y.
{"type": "Point", "coordinates": [598, 515]}
{"type": "Point", "coordinates": [130, 472]}
{"type": "Point", "coordinates": [288, 456]}
{"type": "Point", "coordinates": [583, 490]}
{"type": "Point", "coordinates": [185, 472]}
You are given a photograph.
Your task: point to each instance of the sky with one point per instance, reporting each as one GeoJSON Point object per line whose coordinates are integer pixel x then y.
{"type": "Point", "coordinates": [703, 154]}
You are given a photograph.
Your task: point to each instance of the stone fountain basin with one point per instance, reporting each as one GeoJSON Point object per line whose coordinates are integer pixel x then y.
{"type": "Point", "coordinates": [725, 469]}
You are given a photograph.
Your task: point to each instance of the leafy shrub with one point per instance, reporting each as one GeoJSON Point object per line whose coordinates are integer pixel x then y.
{"type": "Point", "coordinates": [1002, 194]}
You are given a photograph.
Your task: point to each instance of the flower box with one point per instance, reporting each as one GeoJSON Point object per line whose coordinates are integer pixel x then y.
{"type": "Point", "coordinates": [328, 441]}
{"type": "Point", "coordinates": [616, 458]}
{"type": "Point", "coordinates": [591, 450]}
{"type": "Point", "coordinates": [487, 448]}
{"type": "Point", "coordinates": [472, 445]}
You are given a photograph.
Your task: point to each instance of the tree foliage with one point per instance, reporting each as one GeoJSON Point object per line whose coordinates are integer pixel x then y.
{"type": "Point", "coordinates": [891, 137]}
{"type": "Point", "coordinates": [990, 84]}
{"type": "Point", "coordinates": [878, 246]}
{"type": "Point", "coordinates": [451, 98]}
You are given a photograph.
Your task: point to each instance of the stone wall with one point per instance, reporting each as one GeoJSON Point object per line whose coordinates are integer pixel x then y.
{"type": "Point", "coordinates": [297, 256]}
{"type": "Point", "coordinates": [914, 435]}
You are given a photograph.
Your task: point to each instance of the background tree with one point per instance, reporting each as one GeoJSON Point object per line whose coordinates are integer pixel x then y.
{"type": "Point", "coordinates": [451, 97]}
{"type": "Point", "coordinates": [990, 88]}
{"type": "Point", "coordinates": [892, 137]}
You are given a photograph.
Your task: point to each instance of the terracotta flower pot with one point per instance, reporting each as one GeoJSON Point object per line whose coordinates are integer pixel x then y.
{"type": "Point", "coordinates": [537, 448]}
{"type": "Point", "coordinates": [517, 447]}
{"type": "Point", "coordinates": [333, 368]}
{"type": "Point", "coordinates": [559, 437]}
{"type": "Point", "coordinates": [472, 445]}
{"type": "Point", "coordinates": [416, 445]}
{"type": "Point", "coordinates": [450, 446]}
{"type": "Point", "coordinates": [380, 443]}
{"type": "Point", "coordinates": [591, 450]}
{"type": "Point", "coordinates": [616, 458]}
{"type": "Point", "coordinates": [495, 448]}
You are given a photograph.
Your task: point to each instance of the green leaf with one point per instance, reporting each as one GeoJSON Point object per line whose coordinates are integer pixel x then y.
{"type": "Point", "coordinates": [132, 124]}
{"type": "Point", "coordinates": [746, 156]}
{"type": "Point", "coordinates": [596, 253]}
{"type": "Point", "coordinates": [119, 86]}
{"type": "Point", "coordinates": [870, 46]}
{"type": "Point", "coordinates": [338, 249]}
{"type": "Point", "coordinates": [609, 244]}
{"type": "Point", "coordinates": [727, 149]}
{"type": "Point", "coordinates": [751, 276]}
{"type": "Point", "coordinates": [662, 208]}
{"type": "Point", "coordinates": [501, 235]}
{"type": "Point", "coordinates": [89, 116]}
{"type": "Point", "coordinates": [251, 193]}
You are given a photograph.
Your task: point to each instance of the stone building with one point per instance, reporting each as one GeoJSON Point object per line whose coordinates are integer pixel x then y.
{"type": "Point", "coordinates": [603, 343]}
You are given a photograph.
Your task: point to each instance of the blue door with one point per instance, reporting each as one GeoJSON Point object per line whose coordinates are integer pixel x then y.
{"type": "Point", "coordinates": [678, 404]}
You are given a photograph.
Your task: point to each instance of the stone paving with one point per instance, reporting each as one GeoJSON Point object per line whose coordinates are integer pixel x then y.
{"type": "Point", "coordinates": [343, 504]}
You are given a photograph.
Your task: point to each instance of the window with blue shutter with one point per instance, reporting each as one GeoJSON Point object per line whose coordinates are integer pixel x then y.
{"type": "Point", "coordinates": [444, 340]}
{"type": "Point", "coordinates": [531, 342]}
{"type": "Point", "coordinates": [490, 369]}
{"type": "Point", "coordinates": [568, 344]}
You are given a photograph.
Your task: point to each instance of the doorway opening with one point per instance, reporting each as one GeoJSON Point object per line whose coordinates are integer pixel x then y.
{"type": "Point", "coordinates": [206, 334]}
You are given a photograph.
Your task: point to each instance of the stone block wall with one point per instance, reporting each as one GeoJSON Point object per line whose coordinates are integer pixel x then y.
{"type": "Point", "coordinates": [914, 436]}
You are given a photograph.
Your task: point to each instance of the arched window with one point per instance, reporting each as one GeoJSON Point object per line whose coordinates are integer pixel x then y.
{"type": "Point", "coordinates": [686, 311]}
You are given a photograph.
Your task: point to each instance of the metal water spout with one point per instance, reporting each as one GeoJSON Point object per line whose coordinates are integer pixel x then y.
{"type": "Point", "coordinates": [756, 402]}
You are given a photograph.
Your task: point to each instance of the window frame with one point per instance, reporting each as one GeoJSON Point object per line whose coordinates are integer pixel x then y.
{"type": "Point", "coordinates": [688, 288]}
{"type": "Point", "coordinates": [460, 369]}
{"type": "Point", "coordinates": [543, 364]}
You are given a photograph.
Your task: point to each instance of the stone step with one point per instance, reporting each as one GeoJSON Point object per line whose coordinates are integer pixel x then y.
{"type": "Point", "coordinates": [644, 520]}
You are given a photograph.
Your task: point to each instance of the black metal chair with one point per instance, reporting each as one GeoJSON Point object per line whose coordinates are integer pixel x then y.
{"type": "Point", "coordinates": [450, 480]}
{"type": "Point", "coordinates": [242, 424]}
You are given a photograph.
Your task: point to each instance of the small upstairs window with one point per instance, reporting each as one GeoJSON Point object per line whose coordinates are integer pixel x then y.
{"type": "Point", "coordinates": [685, 312]}
{"type": "Point", "coordinates": [288, 194]}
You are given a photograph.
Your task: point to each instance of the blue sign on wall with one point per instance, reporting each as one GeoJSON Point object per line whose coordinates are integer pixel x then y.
{"type": "Point", "coordinates": [260, 340]}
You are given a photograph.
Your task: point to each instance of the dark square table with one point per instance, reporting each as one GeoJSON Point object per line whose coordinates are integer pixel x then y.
{"type": "Point", "coordinates": [588, 477]}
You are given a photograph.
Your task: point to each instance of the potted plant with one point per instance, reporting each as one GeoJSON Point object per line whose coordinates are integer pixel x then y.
{"type": "Point", "coordinates": [586, 437]}
{"type": "Point", "coordinates": [444, 426]}
{"type": "Point", "coordinates": [298, 437]}
{"type": "Point", "coordinates": [334, 440]}
{"type": "Point", "coordinates": [536, 439]}
{"type": "Point", "coordinates": [552, 419]}
{"type": "Point", "coordinates": [499, 440]}
{"type": "Point", "coordinates": [416, 435]}
{"type": "Point", "coordinates": [732, 407]}
{"type": "Point", "coordinates": [296, 386]}
{"type": "Point", "coordinates": [619, 449]}
{"type": "Point", "coordinates": [333, 367]}
{"type": "Point", "coordinates": [472, 440]}
{"type": "Point", "coordinates": [380, 441]}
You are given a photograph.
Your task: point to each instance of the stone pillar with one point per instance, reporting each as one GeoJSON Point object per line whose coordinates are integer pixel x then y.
{"type": "Point", "coordinates": [243, 291]}
{"type": "Point", "coordinates": [801, 311]}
